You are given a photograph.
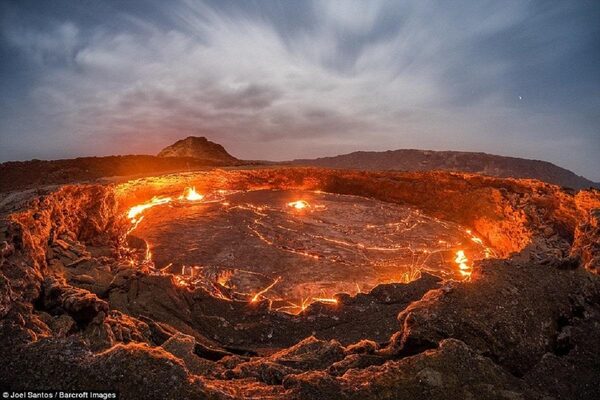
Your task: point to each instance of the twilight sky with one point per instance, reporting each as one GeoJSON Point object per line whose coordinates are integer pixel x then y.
{"type": "Point", "coordinates": [295, 79]}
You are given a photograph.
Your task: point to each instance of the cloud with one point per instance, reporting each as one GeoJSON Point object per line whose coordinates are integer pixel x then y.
{"type": "Point", "coordinates": [346, 76]}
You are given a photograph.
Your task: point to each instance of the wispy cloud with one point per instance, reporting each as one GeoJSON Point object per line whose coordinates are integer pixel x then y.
{"type": "Point", "coordinates": [342, 76]}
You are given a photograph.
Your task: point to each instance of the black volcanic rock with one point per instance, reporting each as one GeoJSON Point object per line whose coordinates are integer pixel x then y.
{"type": "Point", "coordinates": [479, 163]}
{"type": "Point", "coordinates": [197, 147]}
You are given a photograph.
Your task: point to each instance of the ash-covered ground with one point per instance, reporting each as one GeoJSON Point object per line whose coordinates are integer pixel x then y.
{"type": "Point", "coordinates": [298, 245]}
{"type": "Point", "coordinates": [84, 305]}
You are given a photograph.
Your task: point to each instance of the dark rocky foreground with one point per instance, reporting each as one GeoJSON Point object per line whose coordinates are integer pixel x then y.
{"type": "Point", "coordinates": [80, 308]}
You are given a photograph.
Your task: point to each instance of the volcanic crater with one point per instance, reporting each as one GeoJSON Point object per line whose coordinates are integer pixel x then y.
{"type": "Point", "coordinates": [293, 247]}
{"type": "Point", "coordinates": [303, 283]}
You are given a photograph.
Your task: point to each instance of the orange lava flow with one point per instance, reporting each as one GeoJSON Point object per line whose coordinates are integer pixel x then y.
{"type": "Point", "coordinates": [461, 259]}
{"type": "Point", "coordinates": [191, 195]}
{"type": "Point", "coordinates": [135, 212]}
{"type": "Point", "coordinates": [299, 204]}
{"type": "Point", "coordinates": [325, 300]}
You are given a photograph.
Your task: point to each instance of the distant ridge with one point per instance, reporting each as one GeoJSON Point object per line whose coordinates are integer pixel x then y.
{"type": "Point", "coordinates": [481, 163]}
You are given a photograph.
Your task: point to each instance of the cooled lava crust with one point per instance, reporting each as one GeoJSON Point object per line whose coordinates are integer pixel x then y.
{"type": "Point", "coordinates": [82, 307]}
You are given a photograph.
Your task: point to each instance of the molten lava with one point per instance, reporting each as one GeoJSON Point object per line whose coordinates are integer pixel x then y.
{"type": "Point", "coordinates": [324, 252]}
{"type": "Point", "coordinates": [461, 259]}
{"type": "Point", "coordinates": [299, 204]}
{"type": "Point", "coordinates": [325, 300]}
{"type": "Point", "coordinates": [135, 212]}
{"type": "Point", "coordinates": [191, 195]}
